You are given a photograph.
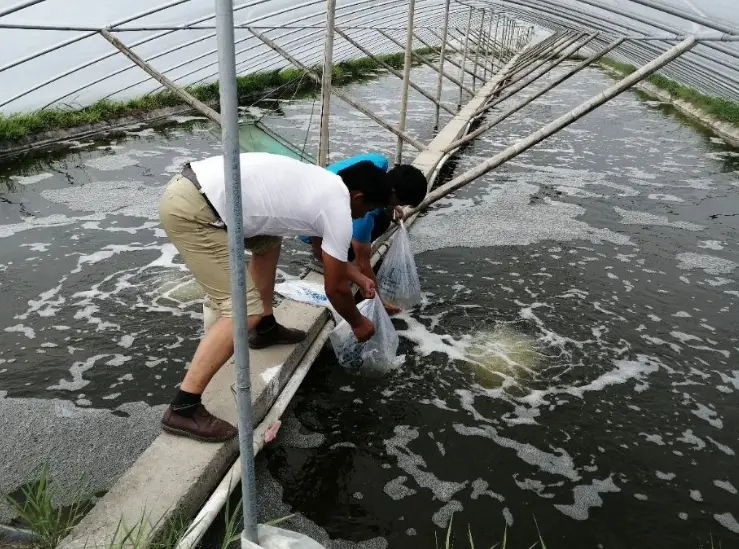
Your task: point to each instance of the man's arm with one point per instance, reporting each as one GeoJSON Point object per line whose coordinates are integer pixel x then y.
{"type": "Point", "coordinates": [338, 291]}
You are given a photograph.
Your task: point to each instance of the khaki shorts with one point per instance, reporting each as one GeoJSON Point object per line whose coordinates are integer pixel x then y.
{"type": "Point", "coordinates": [190, 224]}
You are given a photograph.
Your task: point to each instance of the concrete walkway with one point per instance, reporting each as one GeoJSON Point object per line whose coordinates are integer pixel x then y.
{"type": "Point", "coordinates": [175, 475]}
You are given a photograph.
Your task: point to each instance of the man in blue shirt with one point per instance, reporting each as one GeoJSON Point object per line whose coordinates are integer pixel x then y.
{"type": "Point", "coordinates": [409, 189]}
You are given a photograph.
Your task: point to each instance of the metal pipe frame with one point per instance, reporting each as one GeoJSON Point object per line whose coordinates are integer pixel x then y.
{"type": "Point", "coordinates": [514, 109]}
{"type": "Point", "coordinates": [195, 22]}
{"type": "Point", "coordinates": [407, 62]}
{"type": "Point", "coordinates": [556, 125]}
{"type": "Point", "coordinates": [607, 27]}
{"type": "Point", "coordinates": [326, 74]}
{"type": "Point", "coordinates": [442, 55]}
{"type": "Point", "coordinates": [209, 53]}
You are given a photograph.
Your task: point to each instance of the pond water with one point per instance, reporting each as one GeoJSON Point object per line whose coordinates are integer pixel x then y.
{"type": "Point", "coordinates": [573, 364]}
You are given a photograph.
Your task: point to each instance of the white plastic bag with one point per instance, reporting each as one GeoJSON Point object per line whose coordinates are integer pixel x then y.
{"type": "Point", "coordinates": [307, 292]}
{"type": "Point", "coordinates": [378, 354]}
{"type": "Point", "coordinates": [271, 537]}
{"type": "Point", "coordinates": [397, 279]}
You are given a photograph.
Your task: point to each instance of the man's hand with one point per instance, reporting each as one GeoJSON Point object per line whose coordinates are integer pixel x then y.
{"type": "Point", "coordinates": [398, 214]}
{"type": "Point", "coordinates": [390, 308]}
{"type": "Point", "coordinates": [364, 330]}
{"type": "Point", "coordinates": [366, 287]}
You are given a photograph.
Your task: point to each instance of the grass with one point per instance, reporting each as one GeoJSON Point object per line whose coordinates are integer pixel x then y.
{"type": "Point", "coordinates": [723, 109]}
{"type": "Point", "coordinates": [35, 509]}
{"type": "Point", "coordinates": [17, 127]}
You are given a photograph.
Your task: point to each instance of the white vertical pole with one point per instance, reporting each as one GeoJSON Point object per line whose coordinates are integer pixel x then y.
{"type": "Point", "coordinates": [235, 222]}
{"type": "Point", "coordinates": [406, 79]}
{"type": "Point", "coordinates": [479, 45]}
{"type": "Point", "coordinates": [442, 55]}
{"type": "Point", "coordinates": [464, 58]}
{"type": "Point", "coordinates": [496, 44]}
{"type": "Point", "coordinates": [328, 65]}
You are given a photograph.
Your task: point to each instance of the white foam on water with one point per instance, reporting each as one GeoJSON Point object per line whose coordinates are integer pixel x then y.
{"type": "Point", "coordinates": [126, 341]}
{"type": "Point", "coordinates": [119, 360]}
{"type": "Point", "coordinates": [726, 485]}
{"type": "Point", "coordinates": [708, 415]}
{"type": "Point", "coordinates": [505, 217]}
{"type": "Point", "coordinates": [586, 497]}
{"type": "Point", "coordinates": [655, 439]}
{"type": "Point", "coordinates": [55, 220]}
{"type": "Point", "coordinates": [665, 198]}
{"type": "Point", "coordinates": [682, 314]}
{"type": "Point", "coordinates": [414, 465]}
{"type": "Point", "coordinates": [665, 476]}
{"type": "Point", "coordinates": [709, 264]}
{"type": "Point", "coordinates": [77, 370]}
{"type": "Point", "coordinates": [397, 489]}
{"type": "Point", "coordinates": [728, 521]}
{"type": "Point", "coordinates": [625, 370]}
{"type": "Point", "coordinates": [480, 488]}
{"type": "Point", "coordinates": [711, 245]}
{"type": "Point", "coordinates": [31, 179]}
{"type": "Point", "coordinates": [130, 198]}
{"type": "Point", "coordinates": [641, 497]}
{"type": "Point", "coordinates": [684, 338]}
{"type": "Point", "coordinates": [112, 162]}
{"type": "Point", "coordinates": [683, 516]}
{"type": "Point", "coordinates": [629, 217]}
{"type": "Point", "coordinates": [442, 517]}
{"type": "Point", "coordinates": [27, 331]}
{"type": "Point", "coordinates": [560, 464]}
{"type": "Point", "coordinates": [725, 449]}
{"type": "Point", "coordinates": [690, 438]}
{"type": "Point", "coordinates": [718, 281]}
{"type": "Point", "coordinates": [695, 495]}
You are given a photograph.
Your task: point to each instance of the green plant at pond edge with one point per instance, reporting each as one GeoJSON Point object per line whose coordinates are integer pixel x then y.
{"type": "Point", "coordinates": [35, 508]}
{"type": "Point", "coordinates": [723, 109]}
{"type": "Point", "coordinates": [277, 83]}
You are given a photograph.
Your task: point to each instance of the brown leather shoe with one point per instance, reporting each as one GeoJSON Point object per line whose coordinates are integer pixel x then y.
{"type": "Point", "coordinates": [278, 335]}
{"type": "Point", "coordinates": [202, 425]}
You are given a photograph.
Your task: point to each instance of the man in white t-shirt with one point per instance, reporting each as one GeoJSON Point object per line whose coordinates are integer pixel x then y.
{"type": "Point", "coordinates": [281, 197]}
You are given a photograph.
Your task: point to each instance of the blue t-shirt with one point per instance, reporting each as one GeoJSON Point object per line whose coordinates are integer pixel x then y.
{"type": "Point", "coordinates": [362, 227]}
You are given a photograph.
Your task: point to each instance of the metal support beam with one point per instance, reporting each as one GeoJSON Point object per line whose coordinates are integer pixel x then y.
{"type": "Point", "coordinates": [341, 94]}
{"type": "Point", "coordinates": [442, 54]}
{"type": "Point", "coordinates": [557, 125]}
{"type": "Point", "coordinates": [451, 48]}
{"type": "Point", "coordinates": [464, 60]}
{"type": "Point", "coordinates": [563, 51]}
{"type": "Point", "coordinates": [477, 48]}
{"type": "Point", "coordinates": [328, 66]}
{"type": "Point", "coordinates": [427, 62]}
{"type": "Point", "coordinates": [393, 71]}
{"type": "Point", "coordinates": [159, 77]}
{"type": "Point", "coordinates": [235, 222]}
{"type": "Point", "coordinates": [408, 61]}
{"type": "Point", "coordinates": [498, 119]}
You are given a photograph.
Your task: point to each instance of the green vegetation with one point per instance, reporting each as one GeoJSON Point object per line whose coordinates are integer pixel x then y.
{"type": "Point", "coordinates": [35, 509]}
{"type": "Point", "coordinates": [277, 83]}
{"type": "Point", "coordinates": [723, 109]}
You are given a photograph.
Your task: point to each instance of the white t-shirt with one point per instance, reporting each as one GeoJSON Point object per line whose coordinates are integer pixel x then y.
{"type": "Point", "coordinates": [284, 197]}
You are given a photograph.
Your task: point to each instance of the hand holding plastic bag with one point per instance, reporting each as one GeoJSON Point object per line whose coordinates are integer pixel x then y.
{"type": "Point", "coordinates": [378, 354]}
{"type": "Point", "coordinates": [397, 279]}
